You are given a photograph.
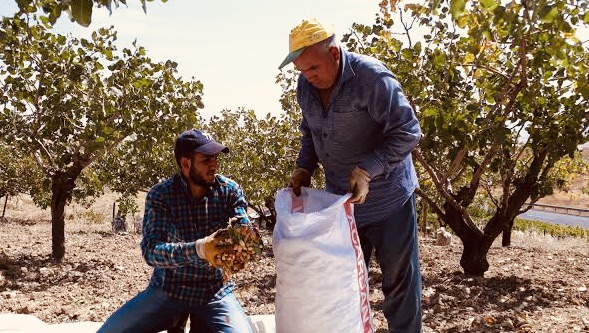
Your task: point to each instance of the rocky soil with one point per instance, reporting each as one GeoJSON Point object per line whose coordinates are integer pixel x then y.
{"type": "Point", "coordinates": [539, 284]}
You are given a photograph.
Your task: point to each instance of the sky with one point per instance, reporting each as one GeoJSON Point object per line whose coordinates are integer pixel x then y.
{"type": "Point", "coordinates": [233, 47]}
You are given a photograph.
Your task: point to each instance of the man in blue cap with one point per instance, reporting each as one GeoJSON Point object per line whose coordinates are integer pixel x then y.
{"type": "Point", "coordinates": [360, 127]}
{"type": "Point", "coordinates": [182, 214]}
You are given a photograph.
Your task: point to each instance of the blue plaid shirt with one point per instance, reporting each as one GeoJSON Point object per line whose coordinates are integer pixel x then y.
{"type": "Point", "coordinates": [172, 223]}
{"type": "Point", "coordinates": [368, 123]}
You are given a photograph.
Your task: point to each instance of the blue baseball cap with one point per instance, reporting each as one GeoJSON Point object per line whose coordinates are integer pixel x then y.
{"type": "Point", "coordinates": [197, 141]}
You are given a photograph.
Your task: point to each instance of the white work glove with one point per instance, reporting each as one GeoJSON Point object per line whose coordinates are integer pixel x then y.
{"type": "Point", "coordinates": [359, 180]}
{"type": "Point", "coordinates": [299, 177]}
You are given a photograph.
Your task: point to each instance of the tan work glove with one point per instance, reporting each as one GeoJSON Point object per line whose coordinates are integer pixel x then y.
{"type": "Point", "coordinates": [299, 177]}
{"type": "Point", "coordinates": [359, 180]}
{"type": "Point", "coordinates": [208, 249]}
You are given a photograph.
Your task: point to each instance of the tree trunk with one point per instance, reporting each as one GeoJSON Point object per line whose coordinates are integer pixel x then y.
{"type": "Point", "coordinates": [515, 202]}
{"type": "Point", "coordinates": [506, 237]}
{"type": "Point", "coordinates": [422, 216]}
{"type": "Point", "coordinates": [523, 190]}
{"type": "Point", "coordinates": [474, 258]}
{"type": "Point", "coordinates": [5, 202]}
{"type": "Point", "coordinates": [474, 254]}
{"type": "Point", "coordinates": [61, 188]}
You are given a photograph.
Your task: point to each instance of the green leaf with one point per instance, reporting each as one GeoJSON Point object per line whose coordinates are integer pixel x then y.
{"type": "Point", "coordinates": [429, 112]}
{"type": "Point", "coordinates": [462, 21]}
{"type": "Point", "coordinates": [489, 4]}
{"type": "Point", "coordinates": [107, 130]}
{"type": "Point", "coordinates": [141, 83]}
{"type": "Point", "coordinates": [469, 58]}
{"type": "Point", "coordinates": [457, 8]}
{"type": "Point", "coordinates": [584, 90]}
{"type": "Point", "coordinates": [439, 59]}
{"type": "Point", "coordinates": [434, 6]}
{"type": "Point", "coordinates": [82, 11]}
{"type": "Point", "coordinates": [549, 14]}
{"type": "Point", "coordinates": [586, 18]}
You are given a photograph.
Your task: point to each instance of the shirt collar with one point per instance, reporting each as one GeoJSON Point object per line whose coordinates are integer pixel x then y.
{"type": "Point", "coordinates": [347, 72]}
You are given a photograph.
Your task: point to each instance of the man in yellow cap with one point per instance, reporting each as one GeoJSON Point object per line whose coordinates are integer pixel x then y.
{"type": "Point", "coordinates": [360, 127]}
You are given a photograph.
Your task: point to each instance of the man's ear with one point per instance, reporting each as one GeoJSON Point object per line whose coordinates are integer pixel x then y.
{"type": "Point", "coordinates": [185, 163]}
{"type": "Point", "coordinates": [335, 53]}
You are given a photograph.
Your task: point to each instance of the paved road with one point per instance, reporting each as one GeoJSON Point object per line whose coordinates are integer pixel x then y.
{"type": "Point", "coordinates": [556, 218]}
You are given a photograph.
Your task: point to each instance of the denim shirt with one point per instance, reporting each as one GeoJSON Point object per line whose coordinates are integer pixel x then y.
{"type": "Point", "coordinates": [368, 123]}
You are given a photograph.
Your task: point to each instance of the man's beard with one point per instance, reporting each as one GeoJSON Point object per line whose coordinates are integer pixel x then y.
{"type": "Point", "coordinates": [196, 178]}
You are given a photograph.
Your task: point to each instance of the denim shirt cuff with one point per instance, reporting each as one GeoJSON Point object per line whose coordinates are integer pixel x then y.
{"type": "Point", "coordinates": [373, 167]}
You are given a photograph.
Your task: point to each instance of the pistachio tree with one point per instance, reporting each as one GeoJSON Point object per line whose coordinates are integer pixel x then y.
{"type": "Point", "coordinates": [501, 91]}
{"type": "Point", "coordinates": [262, 154]}
{"type": "Point", "coordinates": [18, 174]}
{"type": "Point", "coordinates": [70, 103]}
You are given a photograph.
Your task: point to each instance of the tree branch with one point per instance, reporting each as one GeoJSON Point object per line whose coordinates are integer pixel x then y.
{"type": "Point", "coordinates": [455, 163]}
{"type": "Point", "coordinates": [480, 170]}
{"type": "Point", "coordinates": [417, 154]}
{"type": "Point", "coordinates": [430, 201]}
{"type": "Point", "coordinates": [46, 169]}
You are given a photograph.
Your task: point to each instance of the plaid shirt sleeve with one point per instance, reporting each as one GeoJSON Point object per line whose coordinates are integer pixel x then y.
{"type": "Point", "coordinates": [238, 205]}
{"type": "Point", "coordinates": [156, 249]}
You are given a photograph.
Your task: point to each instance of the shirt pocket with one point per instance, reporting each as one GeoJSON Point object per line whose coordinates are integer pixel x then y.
{"type": "Point", "coordinates": [351, 126]}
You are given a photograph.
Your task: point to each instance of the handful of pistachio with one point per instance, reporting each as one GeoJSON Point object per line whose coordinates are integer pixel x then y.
{"type": "Point", "coordinates": [246, 245]}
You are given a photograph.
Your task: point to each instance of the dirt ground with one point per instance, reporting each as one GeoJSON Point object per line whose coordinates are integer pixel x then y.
{"type": "Point", "coordinates": [539, 284]}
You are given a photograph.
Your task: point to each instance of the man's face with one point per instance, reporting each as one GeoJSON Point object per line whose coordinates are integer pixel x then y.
{"type": "Point", "coordinates": [319, 65]}
{"type": "Point", "coordinates": [202, 169]}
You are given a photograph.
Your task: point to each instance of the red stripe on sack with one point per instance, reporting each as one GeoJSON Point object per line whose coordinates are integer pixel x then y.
{"type": "Point", "coordinates": [361, 270]}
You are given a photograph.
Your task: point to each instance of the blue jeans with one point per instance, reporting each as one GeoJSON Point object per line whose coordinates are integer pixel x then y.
{"type": "Point", "coordinates": [152, 311]}
{"type": "Point", "coordinates": [397, 252]}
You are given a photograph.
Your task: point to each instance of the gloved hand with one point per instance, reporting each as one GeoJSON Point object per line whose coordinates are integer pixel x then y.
{"type": "Point", "coordinates": [299, 177]}
{"type": "Point", "coordinates": [208, 249]}
{"type": "Point", "coordinates": [359, 180]}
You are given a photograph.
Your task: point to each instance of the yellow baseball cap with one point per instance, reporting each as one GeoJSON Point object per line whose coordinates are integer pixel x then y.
{"type": "Point", "coordinates": [307, 33]}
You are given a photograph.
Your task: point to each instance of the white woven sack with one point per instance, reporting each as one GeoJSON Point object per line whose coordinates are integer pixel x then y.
{"type": "Point", "coordinates": [322, 281]}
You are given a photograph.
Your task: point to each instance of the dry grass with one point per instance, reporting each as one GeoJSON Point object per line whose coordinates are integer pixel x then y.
{"type": "Point", "coordinates": [539, 283]}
